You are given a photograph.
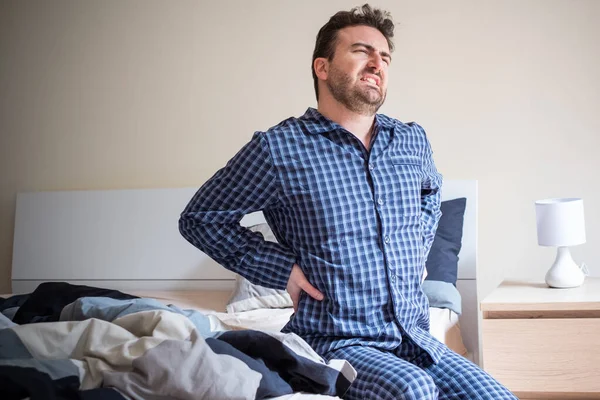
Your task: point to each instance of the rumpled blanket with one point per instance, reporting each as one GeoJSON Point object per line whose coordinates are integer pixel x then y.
{"type": "Point", "coordinates": [146, 350]}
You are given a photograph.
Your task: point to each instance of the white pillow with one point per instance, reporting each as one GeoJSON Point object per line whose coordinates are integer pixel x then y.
{"type": "Point", "coordinates": [247, 296]}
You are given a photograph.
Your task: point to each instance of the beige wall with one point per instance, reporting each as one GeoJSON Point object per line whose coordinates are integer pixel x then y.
{"type": "Point", "coordinates": [138, 94]}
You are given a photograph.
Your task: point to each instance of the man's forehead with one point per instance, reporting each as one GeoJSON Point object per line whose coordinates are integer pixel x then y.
{"type": "Point", "coordinates": [363, 34]}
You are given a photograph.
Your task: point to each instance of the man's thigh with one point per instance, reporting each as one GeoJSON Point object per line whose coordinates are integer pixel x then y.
{"type": "Point", "coordinates": [383, 375]}
{"type": "Point", "coordinates": [458, 378]}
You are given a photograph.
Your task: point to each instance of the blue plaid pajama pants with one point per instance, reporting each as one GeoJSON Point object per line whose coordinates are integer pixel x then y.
{"type": "Point", "coordinates": [408, 373]}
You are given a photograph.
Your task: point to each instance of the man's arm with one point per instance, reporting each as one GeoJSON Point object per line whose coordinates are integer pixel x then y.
{"type": "Point", "coordinates": [430, 197]}
{"type": "Point", "coordinates": [210, 221]}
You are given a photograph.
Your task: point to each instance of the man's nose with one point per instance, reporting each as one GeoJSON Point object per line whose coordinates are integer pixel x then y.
{"type": "Point", "coordinates": [376, 62]}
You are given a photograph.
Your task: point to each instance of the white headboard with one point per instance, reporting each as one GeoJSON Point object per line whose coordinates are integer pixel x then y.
{"type": "Point", "coordinates": [129, 240]}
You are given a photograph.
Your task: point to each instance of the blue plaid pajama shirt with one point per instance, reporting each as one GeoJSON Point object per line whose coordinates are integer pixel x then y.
{"type": "Point", "coordinates": [359, 223]}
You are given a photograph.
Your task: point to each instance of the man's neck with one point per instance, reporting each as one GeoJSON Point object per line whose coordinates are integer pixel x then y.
{"type": "Point", "coordinates": [357, 124]}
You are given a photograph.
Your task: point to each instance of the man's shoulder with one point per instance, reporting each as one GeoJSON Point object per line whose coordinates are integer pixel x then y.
{"type": "Point", "coordinates": [295, 126]}
{"type": "Point", "coordinates": [282, 129]}
{"type": "Point", "coordinates": [411, 126]}
{"type": "Point", "coordinates": [286, 126]}
{"type": "Point", "coordinates": [394, 121]}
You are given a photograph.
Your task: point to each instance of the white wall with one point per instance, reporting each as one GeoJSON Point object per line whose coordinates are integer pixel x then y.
{"type": "Point", "coordinates": [132, 94]}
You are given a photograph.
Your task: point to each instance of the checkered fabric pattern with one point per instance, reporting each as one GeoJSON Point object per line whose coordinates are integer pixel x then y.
{"type": "Point", "coordinates": [408, 373]}
{"type": "Point", "coordinates": [359, 223]}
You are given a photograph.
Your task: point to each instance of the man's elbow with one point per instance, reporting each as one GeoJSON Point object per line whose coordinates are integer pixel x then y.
{"type": "Point", "coordinates": [186, 225]}
{"type": "Point", "coordinates": [199, 234]}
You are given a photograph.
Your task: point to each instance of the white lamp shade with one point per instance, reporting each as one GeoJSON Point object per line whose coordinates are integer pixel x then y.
{"type": "Point", "coordinates": [560, 222]}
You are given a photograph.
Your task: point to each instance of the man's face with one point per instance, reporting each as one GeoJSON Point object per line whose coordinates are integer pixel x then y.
{"type": "Point", "coordinates": [357, 75]}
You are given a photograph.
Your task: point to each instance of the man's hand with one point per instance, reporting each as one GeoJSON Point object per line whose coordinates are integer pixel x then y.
{"type": "Point", "coordinates": [298, 283]}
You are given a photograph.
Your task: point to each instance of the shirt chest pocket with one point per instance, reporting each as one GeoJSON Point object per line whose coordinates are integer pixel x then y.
{"type": "Point", "coordinates": [407, 175]}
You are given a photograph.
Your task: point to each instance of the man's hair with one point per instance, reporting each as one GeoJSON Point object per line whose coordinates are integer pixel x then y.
{"type": "Point", "coordinates": [365, 15]}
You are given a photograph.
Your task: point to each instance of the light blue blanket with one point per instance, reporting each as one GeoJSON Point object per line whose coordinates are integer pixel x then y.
{"type": "Point", "coordinates": [108, 309]}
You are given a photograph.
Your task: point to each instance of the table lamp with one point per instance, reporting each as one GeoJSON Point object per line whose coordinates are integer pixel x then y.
{"type": "Point", "coordinates": [560, 223]}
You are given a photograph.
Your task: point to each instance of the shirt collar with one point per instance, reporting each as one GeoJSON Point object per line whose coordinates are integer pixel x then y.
{"type": "Point", "coordinates": [322, 124]}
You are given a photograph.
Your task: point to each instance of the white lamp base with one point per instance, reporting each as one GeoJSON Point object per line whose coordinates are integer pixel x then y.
{"type": "Point", "coordinates": [564, 273]}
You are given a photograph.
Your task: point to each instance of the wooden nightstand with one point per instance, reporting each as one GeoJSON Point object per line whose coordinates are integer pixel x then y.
{"type": "Point", "coordinates": [543, 343]}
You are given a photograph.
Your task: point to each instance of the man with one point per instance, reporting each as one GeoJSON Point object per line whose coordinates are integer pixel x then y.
{"type": "Point", "coordinates": [353, 199]}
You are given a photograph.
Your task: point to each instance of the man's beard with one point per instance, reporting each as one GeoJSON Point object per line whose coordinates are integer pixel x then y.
{"type": "Point", "coordinates": [363, 102]}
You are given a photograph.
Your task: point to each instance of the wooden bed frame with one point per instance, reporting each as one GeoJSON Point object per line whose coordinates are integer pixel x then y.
{"type": "Point", "coordinates": [129, 240]}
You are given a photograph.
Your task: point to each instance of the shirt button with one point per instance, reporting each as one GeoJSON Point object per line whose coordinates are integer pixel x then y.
{"type": "Point", "coordinates": [386, 239]}
{"type": "Point", "coordinates": [393, 278]}
{"type": "Point", "coordinates": [371, 167]}
{"type": "Point", "coordinates": [380, 201]}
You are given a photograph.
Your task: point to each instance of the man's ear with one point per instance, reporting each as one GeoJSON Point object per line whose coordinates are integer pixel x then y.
{"type": "Point", "coordinates": [321, 66]}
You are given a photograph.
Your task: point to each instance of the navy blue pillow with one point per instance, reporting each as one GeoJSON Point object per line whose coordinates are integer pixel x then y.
{"type": "Point", "coordinates": [442, 261]}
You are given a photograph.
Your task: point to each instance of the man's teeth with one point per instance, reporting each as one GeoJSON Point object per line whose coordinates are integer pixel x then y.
{"type": "Point", "coordinates": [371, 80]}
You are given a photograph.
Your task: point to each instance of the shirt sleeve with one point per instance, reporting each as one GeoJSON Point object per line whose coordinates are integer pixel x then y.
{"type": "Point", "coordinates": [211, 220]}
{"type": "Point", "coordinates": [430, 197]}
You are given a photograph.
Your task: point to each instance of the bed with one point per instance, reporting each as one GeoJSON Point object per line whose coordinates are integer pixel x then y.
{"type": "Point", "coordinates": [128, 241]}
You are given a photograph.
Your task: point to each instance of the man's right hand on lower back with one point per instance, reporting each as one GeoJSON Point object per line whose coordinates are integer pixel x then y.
{"type": "Point", "coordinates": [298, 283]}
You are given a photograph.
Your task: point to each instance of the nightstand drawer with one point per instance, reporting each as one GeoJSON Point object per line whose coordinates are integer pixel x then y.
{"type": "Point", "coordinates": [552, 356]}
